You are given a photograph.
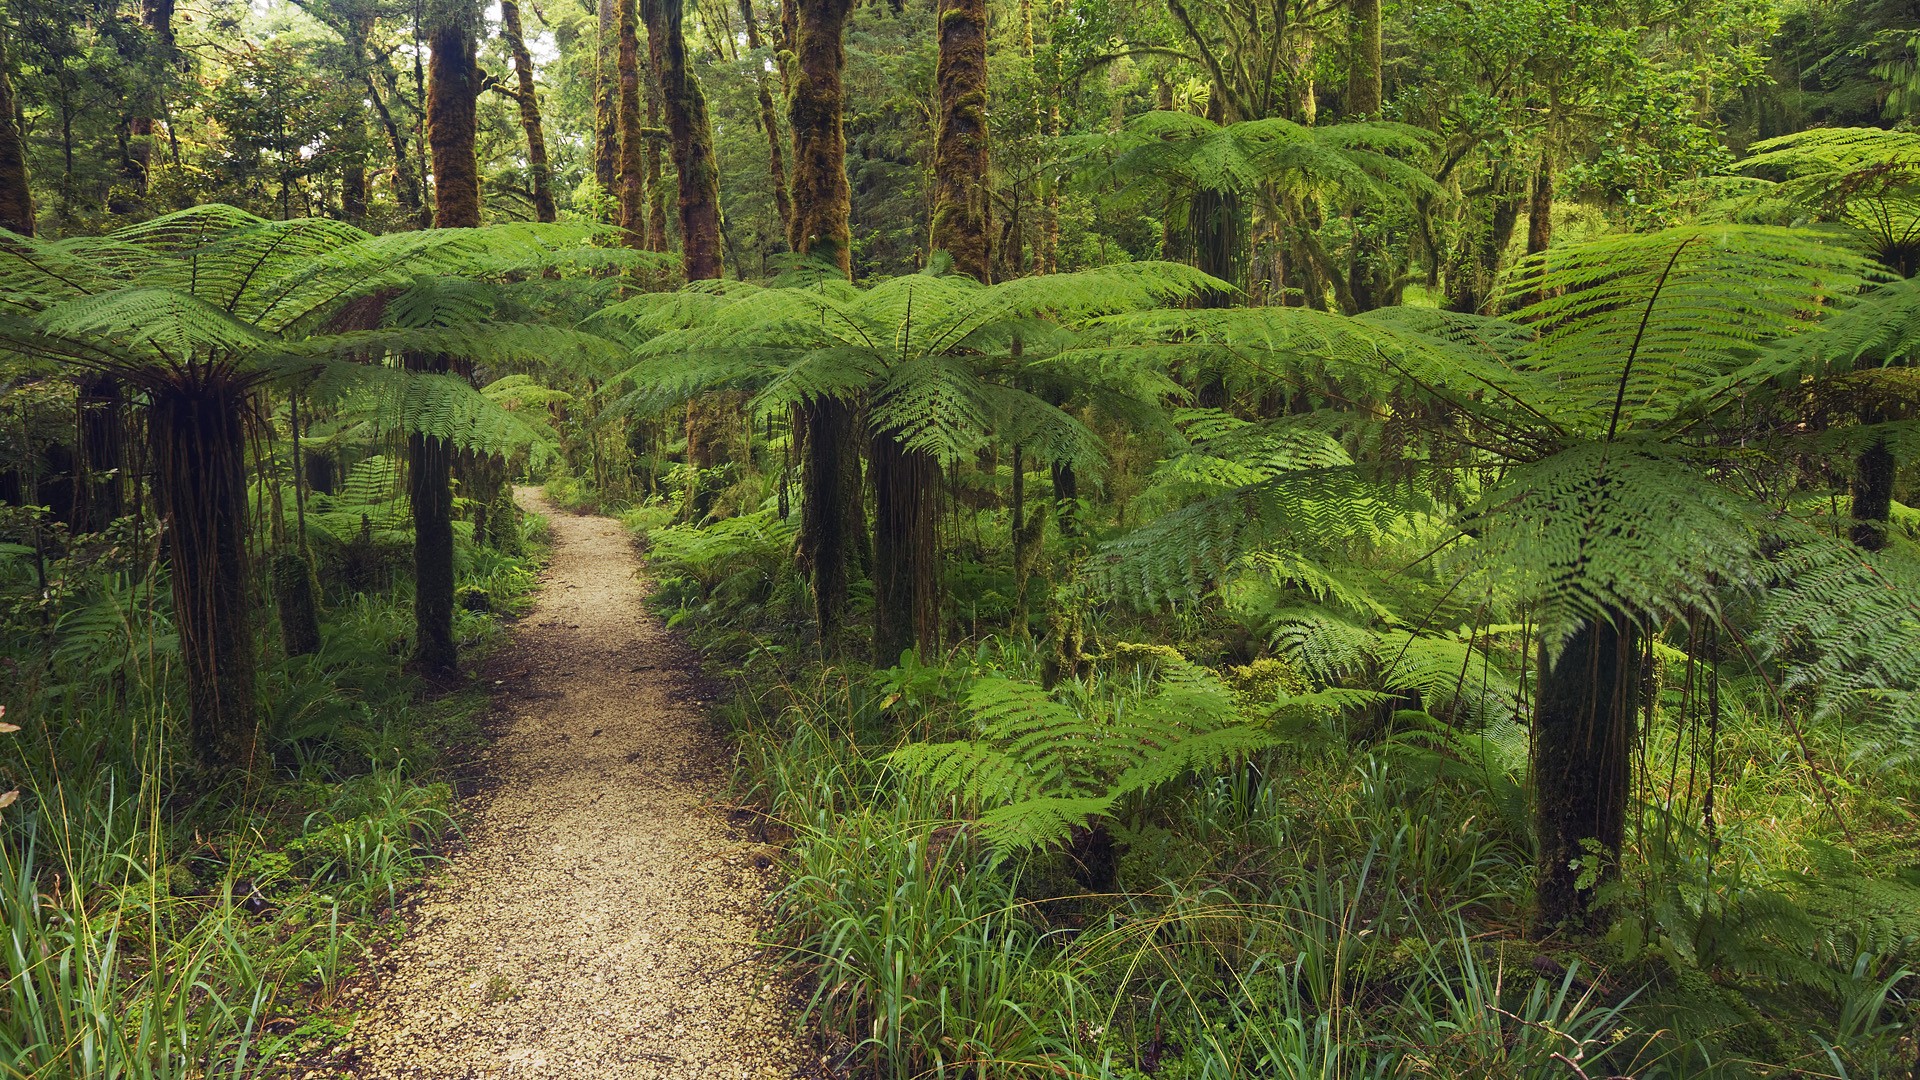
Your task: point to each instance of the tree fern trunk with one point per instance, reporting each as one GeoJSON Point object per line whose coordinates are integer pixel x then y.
{"type": "Point", "coordinates": [960, 155]}
{"type": "Point", "coordinates": [691, 134]}
{"type": "Point", "coordinates": [1583, 729]}
{"type": "Point", "coordinates": [430, 492]}
{"type": "Point", "coordinates": [538, 174]}
{"type": "Point", "coordinates": [1872, 495]}
{"type": "Point", "coordinates": [293, 597]}
{"type": "Point", "coordinates": [828, 481]}
{"type": "Point", "coordinates": [195, 426]}
{"type": "Point", "coordinates": [905, 601]}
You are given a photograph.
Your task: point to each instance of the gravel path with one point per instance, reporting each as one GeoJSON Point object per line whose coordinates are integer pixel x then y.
{"type": "Point", "coordinates": [599, 923]}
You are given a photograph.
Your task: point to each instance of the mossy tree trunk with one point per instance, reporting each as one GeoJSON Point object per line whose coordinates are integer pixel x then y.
{"type": "Point", "coordinates": [1363, 76]}
{"type": "Point", "coordinates": [905, 575]}
{"type": "Point", "coordinates": [822, 201]}
{"type": "Point", "coordinates": [606, 100]}
{"type": "Point", "coordinates": [691, 136]}
{"type": "Point", "coordinates": [961, 225]}
{"type": "Point", "coordinates": [197, 432]}
{"type": "Point", "coordinates": [831, 511]}
{"type": "Point", "coordinates": [539, 176]}
{"type": "Point", "coordinates": [1583, 730]}
{"type": "Point", "coordinates": [16, 196]}
{"type": "Point", "coordinates": [632, 141]}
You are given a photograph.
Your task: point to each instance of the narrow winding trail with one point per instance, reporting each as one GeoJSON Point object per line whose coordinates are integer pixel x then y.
{"type": "Point", "coordinates": [600, 921]}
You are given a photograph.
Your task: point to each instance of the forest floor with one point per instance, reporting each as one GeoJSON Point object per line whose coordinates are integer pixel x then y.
{"type": "Point", "coordinates": [600, 918]}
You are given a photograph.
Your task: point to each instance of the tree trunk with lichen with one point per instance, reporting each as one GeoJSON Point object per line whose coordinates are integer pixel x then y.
{"type": "Point", "coordinates": [539, 176]}
{"type": "Point", "coordinates": [1583, 730]}
{"type": "Point", "coordinates": [691, 136]}
{"type": "Point", "coordinates": [633, 142]}
{"type": "Point", "coordinates": [961, 225]}
{"type": "Point", "coordinates": [453, 88]}
{"type": "Point", "coordinates": [1363, 77]}
{"type": "Point", "coordinates": [831, 512]}
{"type": "Point", "coordinates": [822, 200]}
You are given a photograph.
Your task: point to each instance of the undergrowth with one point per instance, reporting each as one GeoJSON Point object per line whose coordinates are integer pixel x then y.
{"type": "Point", "coordinates": [160, 922]}
{"type": "Point", "coordinates": [1341, 889]}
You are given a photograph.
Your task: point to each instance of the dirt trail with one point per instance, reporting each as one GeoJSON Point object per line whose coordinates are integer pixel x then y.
{"type": "Point", "coordinates": [599, 923]}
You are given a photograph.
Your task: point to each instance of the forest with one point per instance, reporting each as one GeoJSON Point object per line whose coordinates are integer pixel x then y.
{"type": "Point", "coordinates": [1312, 538]}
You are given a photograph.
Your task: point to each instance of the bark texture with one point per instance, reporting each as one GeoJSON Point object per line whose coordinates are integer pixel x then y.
{"type": "Point", "coordinates": [606, 100]}
{"type": "Point", "coordinates": [633, 143]}
{"type": "Point", "coordinates": [539, 176]}
{"type": "Point", "coordinates": [960, 156]}
{"type": "Point", "coordinates": [830, 477]}
{"type": "Point", "coordinates": [691, 135]}
{"type": "Point", "coordinates": [1583, 727]}
{"type": "Point", "coordinates": [1363, 76]}
{"type": "Point", "coordinates": [453, 88]}
{"type": "Point", "coordinates": [430, 495]}
{"type": "Point", "coordinates": [822, 200]}
{"type": "Point", "coordinates": [905, 574]}
{"type": "Point", "coordinates": [197, 434]}
{"type": "Point", "coordinates": [1872, 495]}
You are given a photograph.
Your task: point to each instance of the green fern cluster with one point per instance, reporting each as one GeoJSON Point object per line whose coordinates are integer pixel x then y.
{"type": "Point", "coordinates": [1039, 767]}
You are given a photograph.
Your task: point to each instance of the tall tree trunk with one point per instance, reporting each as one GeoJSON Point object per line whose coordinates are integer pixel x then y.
{"type": "Point", "coordinates": [1872, 495]}
{"type": "Point", "coordinates": [16, 196]}
{"type": "Point", "coordinates": [633, 143]}
{"type": "Point", "coordinates": [1363, 77]}
{"type": "Point", "coordinates": [655, 189]}
{"type": "Point", "coordinates": [195, 427]}
{"type": "Point", "coordinates": [831, 500]}
{"type": "Point", "coordinates": [691, 134]}
{"type": "Point", "coordinates": [537, 171]}
{"type": "Point", "coordinates": [905, 599]}
{"type": "Point", "coordinates": [453, 85]}
{"type": "Point", "coordinates": [606, 100]}
{"type": "Point", "coordinates": [822, 200]}
{"type": "Point", "coordinates": [960, 158]}
{"type": "Point", "coordinates": [769, 123]}
{"type": "Point", "coordinates": [1583, 727]}
{"type": "Point", "coordinates": [453, 88]}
